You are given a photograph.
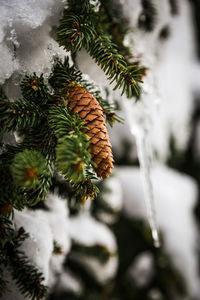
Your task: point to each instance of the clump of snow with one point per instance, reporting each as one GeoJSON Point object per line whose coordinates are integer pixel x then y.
{"type": "Point", "coordinates": [25, 36]}
{"type": "Point", "coordinates": [102, 272]}
{"type": "Point", "coordinates": [175, 199]}
{"type": "Point", "coordinates": [7, 65]}
{"type": "Point", "coordinates": [45, 227]}
{"type": "Point", "coordinates": [113, 193]}
{"type": "Point", "coordinates": [37, 248]}
{"type": "Point", "coordinates": [142, 268]}
{"type": "Point", "coordinates": [87, 231]}
{"type": "Point", "coordinates": [57, 218]}
{"type": "Point", "coordinates": [67, 281]}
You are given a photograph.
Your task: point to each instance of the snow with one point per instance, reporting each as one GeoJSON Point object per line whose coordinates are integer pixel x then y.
{"type": "Point", "coordinates": [112, 196]}
{"type": "Point", "coordinates": [58, 221]}
{"type": "Point", "coordinates": [176, 96]}
{"type": "Point", "coordinates": [67, 281]}
{"type": "Point", "coordinates": [113, 193]}
{"type": "Point", "coordinates": [142, 269]}
{"type": "Point", "coordinates": [28, 26]}
{"type": "Point", "coordinates": [8, 65]}
{"type": "Point", "coordinates": [175, 199]}
{"type": "Point", "coordinates": [89, 232]}
{"type": "Point", "coordinates": [37, 248]}
{"type": "Point", "coordinates": [102, 272]}
{"type": "Point", "coordinates": [45, 227]}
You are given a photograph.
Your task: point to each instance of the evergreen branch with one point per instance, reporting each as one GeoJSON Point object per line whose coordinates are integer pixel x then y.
{"type": "Point", "coordinates": [34, 89]}
{"type": "Point", "coordinates": [105, 54]}
{"type": "Point", "coordinates": [27, 277]}
{"type": "Point", "coordinates": [62, 123]}
{"type": "Point", "coordinates": [32, 173]}
{"type": "Point", "coordinates": [19, 115]}
{"type": "Point", "coordinates": [6, 231]}
{"type": "Point", "coordinates": [41, 139]}
{"type": "Point", "coordinates": [81, 6]}
{"type": "Point", "coordinates": [75, 32]}
{"type": "Point", "coordinates": [12, 193]}
{"type": "Point", "coordinates": [29, 169]}
{"type": "Point", "coordinates": [109, 112]}
{"type": "Point", "coordinates": [63, 73]}
{"type": "Point", "coordinates": [73, 157]}
{"type": "Point", "coordinates": [83, 30]}
{"type": "Point", "coordinates": [11, 196]}
{"type": "Point", "coordinates": [85, 190]}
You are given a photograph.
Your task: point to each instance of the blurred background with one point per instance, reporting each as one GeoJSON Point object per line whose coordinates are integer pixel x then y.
{"type": "Point", "coordinates": [105, 249]}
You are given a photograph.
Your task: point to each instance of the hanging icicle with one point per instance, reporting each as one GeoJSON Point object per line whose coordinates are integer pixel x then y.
{"type": "Point", "coordinates": [140, 118]}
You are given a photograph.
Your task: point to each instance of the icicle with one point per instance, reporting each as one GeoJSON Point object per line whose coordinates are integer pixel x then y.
{"type": "Point", "coordinates": [140, 122]}
{"type": "Point", "coordinates": [144, 160]}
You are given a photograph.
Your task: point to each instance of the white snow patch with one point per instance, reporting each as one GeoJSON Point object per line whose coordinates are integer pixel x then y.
{"type": "Point", "coordinates": [67, 281]}
{"type": "Point", "coordinates": [37, 248]}
{"type": "Point", "coordinates": [58, 221]}
{"type": "Point", "coordinates": [142, 269]}
{"type": "Point", "coordinates": [89, 232]}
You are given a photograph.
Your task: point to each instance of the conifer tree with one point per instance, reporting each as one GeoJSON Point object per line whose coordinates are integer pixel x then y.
{"type": "Point", "coordinates": [64, 146]}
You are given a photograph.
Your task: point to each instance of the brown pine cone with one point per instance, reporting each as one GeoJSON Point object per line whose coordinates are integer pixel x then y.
{"type": "Point", "coordinates": [88, 108]}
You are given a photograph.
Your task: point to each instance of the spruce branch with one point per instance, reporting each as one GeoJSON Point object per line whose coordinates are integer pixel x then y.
{"type": "Point", "coordinates": [84, 190]}
{"type": "Point", "coordinates": [27, 277]}
{"type": "Point", "coordinates": [11, 196]}
{"type": "Point", "coordinates": [106, 55]}
{"type": "Point", "coordinates": [6, 231]}
{"type": "Point", "coordinates": [63, 74]}
{"type": "Point", "coordinates": [35, 89]}
{"type": "Point", "coordinates": [63, 123]}
{"type": "Point", "coordinates": [73, 157]}
{"type": "Point", "coordinates": [83, 30]}
{"type": "Point", "coordinates": [19, 115]}
{"type": "Point", "coordinates": [30, 169]}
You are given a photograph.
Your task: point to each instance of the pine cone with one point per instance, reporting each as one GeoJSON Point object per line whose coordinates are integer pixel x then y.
{"type": "Point", "coordinates": [88, 108]}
